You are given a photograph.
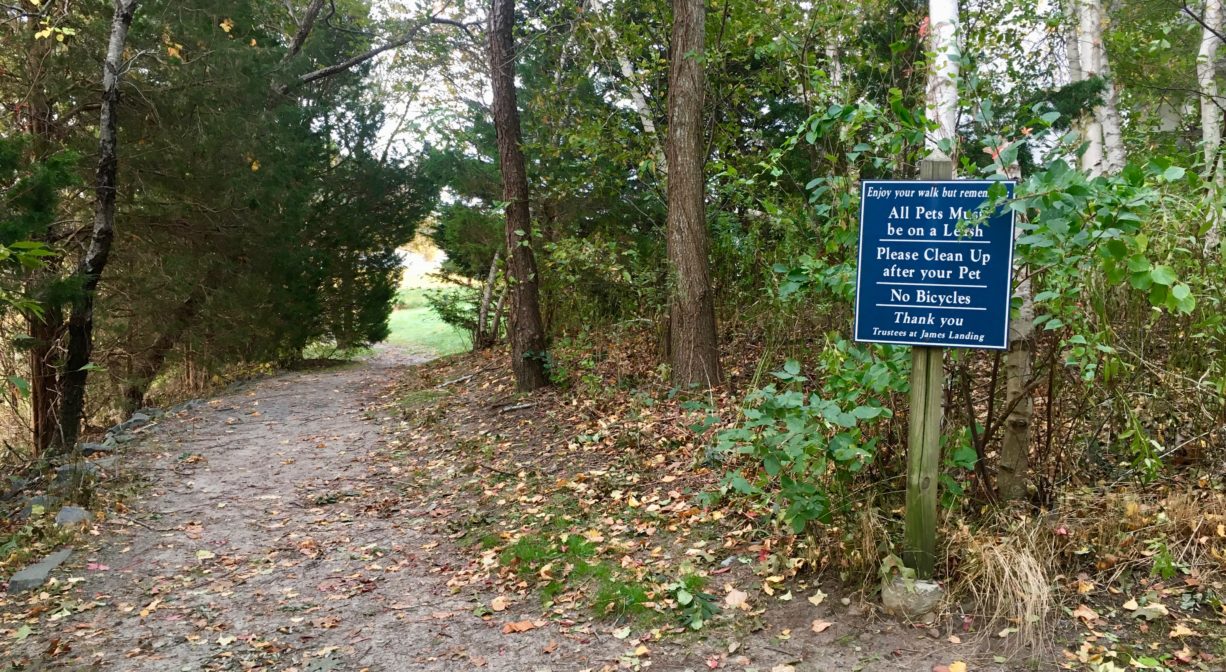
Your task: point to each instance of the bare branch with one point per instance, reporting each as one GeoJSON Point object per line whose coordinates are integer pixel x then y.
{"type": "Point", "coordinates": [408, 36]}
{"type": "Point", "coordinates": [304, 28]}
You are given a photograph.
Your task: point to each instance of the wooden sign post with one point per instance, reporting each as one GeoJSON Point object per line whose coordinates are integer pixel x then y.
{"type": "Point", "coordinates": [924, 434]}
{"type": "Point", "coordinates": [932, 274]}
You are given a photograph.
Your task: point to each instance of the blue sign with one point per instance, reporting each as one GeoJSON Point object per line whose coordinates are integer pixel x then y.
{"type": "Point", "coordinates": [932, 270]}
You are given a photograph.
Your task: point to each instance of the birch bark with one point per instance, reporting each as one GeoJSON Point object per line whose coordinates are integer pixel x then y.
{"type": "Point", "coordinates": [942, 107]}
{"type": "Point", "coordinates": [81, 318]}
{"type": "Point", "coordinates": [1211, 119]}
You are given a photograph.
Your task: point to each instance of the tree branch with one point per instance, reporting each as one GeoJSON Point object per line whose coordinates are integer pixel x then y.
{"type": "Point", "coordinates": [304, 28]}
{"type": "Point", "coordinates": [348, 63]}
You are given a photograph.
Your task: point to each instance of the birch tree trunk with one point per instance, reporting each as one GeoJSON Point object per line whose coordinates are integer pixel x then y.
{"type": "Point", "coordinates": [527, 333]}
{"type": "Point", "coordinates": [836, 65]}
{"type": "Point", "coordinates": [1012, 477]}
{"type": "Point", "coordinates": [483, 339]}
{"type": "Point", "coordinates": [634, 85]}
{"type": "Point", "coordinates": [81, 318]}
{"type": "Point", "coordinates": [693, 345]}
{"type": "Point", "coordinates": [1088, 35]}
{"type": "Point", "coordinates": [1072, 33]}
{"type": "Point", "coordinates": [1211, 119]}
{"type": "Point", "coordinates": [942, 106]}
{"type": "Point", "coordinates": [1105, 153]}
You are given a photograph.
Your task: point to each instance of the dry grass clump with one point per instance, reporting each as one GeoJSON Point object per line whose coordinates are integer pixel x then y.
{"type": "Point", "coordinates": [1009, 577]}
{"type": "Point", "coordinates": [1108, 533]}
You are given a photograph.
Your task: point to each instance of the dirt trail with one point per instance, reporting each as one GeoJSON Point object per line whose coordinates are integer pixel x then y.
{"type": "Point", "coordinates": [270, 538]}
{"type": "Point", "coordinates": [272, 532]}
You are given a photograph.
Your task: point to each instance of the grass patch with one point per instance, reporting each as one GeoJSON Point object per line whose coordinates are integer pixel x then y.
{"type": "Point", "coordinates": [417, 326]}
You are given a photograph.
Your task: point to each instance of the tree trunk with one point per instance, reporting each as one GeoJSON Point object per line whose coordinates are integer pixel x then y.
{"type": "Point", "coordinates": [634, 85]}
{"type": "Point", "coordinates": [482, 338]}
{"type": "Point", "coordinates": [943, 75]}
{"type": "Point", "coordinates": [1211, 119]}
{"type": "Point", "coordinates": [44, 381]}
{"type": "Point", "coordinates": [81, 319]}
{"type": "Point", "coordinates": [694, 348]}
{"type": "Point", "coordinates": [499, 310]}
{"type": "Point", "coordinates": [1072, 33]}
{"type": "Point", "coordinates": [1012, 478]}
{"type": "Point", "coordinates": [1105, 151]}
{"type": "Point", "coordinates": [526, 332]}
{"type": "Point", "coordinates": [146, 370]}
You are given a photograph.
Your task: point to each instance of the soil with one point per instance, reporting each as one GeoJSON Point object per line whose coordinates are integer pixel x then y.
{"type": "Point", "coordinates": [292, 524]}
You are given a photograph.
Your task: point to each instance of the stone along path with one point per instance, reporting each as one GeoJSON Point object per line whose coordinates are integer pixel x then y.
{"type": "Point", "coordinates": [272, 536]}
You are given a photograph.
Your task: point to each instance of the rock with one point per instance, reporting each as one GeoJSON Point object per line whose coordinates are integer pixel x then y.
{"type": "Point", "coordinates": [46, 502]}
{"type": "Point", "coordinates": [910, 598]}
{"type": "Point", "coordinates": [865, 637]}
{"type": "Point", "coordinates": [72, 515]}
{"type": "Point", "coordinates": [35, 575]}
{"type": "Point", "coordinates": [139, 418]}
{"type": "Point", "coordinates": [933, 633]}
{"type": "Point", "coordinates": [92, 449]}
{"type": "Point", "coordinates": [107, 463]}
{"type": "Point", "coordinates": [121, 437]}
{"type": "Point", "coordinates": [14, 487]}
{"type": "Point", "coordinates": [75, 472]}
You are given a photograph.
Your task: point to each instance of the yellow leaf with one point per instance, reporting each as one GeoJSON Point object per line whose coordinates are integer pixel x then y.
{"type": "Point", "coordinates": [593, 536]}
{"type": "Point", "coordinates": [499, 603]}
{"type": "Point", "coordinates": [174, 51]}
{"type": "Point", "coordinates": [1182, 630]}
{"type": "Point", "coordinates": [816, 598]}
{"type": "Point", "coordinates": [42, 34]}
{"type": "Point", "coordinates": [957, 666]}
{"type": "Point", "coordinates": [641, 650]}
{"type": "Point", "coordinates": [253, 42]}
{"type": "Point", "coordinates": [227, 25]}
{"type": "Point", "coordinates": [255, 166]}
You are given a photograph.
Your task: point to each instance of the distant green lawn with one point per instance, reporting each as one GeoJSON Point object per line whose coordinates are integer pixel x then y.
{"type": "Point", "coordinates": [419, 328]}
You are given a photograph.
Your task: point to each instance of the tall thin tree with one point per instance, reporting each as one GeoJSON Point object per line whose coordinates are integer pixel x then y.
{"type": "Point", "coordinates": [526, 331]}
{"type": "Point", "coordinates": [693, 343]}
{"type": "Point", "coordinates": [1211, 117]}
{"type": "Point", "coordinates": [106, 179]}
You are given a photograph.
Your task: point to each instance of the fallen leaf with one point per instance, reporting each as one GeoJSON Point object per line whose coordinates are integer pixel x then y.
{"type": "Point", "coordinates": [737, 599]}
{"type": "Point", "coordinates": [641, 650]}
{"type": "Point", "coordinates": [954, 639]}
{"type": "Point", "coordinates": [957, 666]}
{"type": "Point", "coordinates": [519, 626]}
{"type": "Point", "coordinates": [1182, 630]}
{"type": "Point", "coordinates": [816, 598]}
{"type": "Point", "coordinates": [783, 668]}
{"type": "Point", "coordinates": [593, 536]}
{"type": "Point", "coordinates": [205, 554]}
{"type": "Point", "coordinates": [1085, 613]}
{"type": "Point", "coordinates": [1131, 605]}
{"type": "Point", "coordinates": [821, 626]}
{"type": "Point", "coordinates": [1151, 612]}
{"type": "Point", "coordinates": [622, 633]}
{"type": "Point", "coordinates": [551, 646]}
{"type": "Point", "coordinates": [499, 603]}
